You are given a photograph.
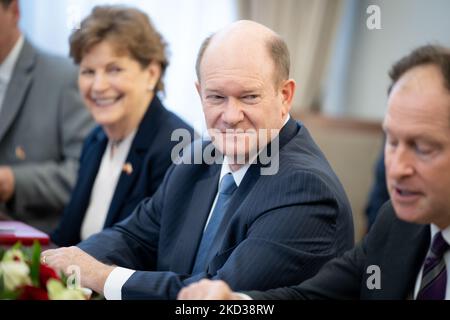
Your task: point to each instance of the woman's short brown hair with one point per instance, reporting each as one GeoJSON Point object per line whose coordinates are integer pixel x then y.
{"type": "Point", "coordinates": [129, 30]}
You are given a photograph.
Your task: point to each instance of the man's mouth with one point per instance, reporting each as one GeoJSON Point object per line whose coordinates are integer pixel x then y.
{"type": "Point", "coordinates": [405, 194]}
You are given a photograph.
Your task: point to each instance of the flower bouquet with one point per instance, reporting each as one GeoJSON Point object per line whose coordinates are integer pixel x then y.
{"type": "Point", "coordinates": [24, 277]}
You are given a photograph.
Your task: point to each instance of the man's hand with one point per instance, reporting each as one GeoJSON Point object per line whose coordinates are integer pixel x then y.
{"type": "Point", "coordinates": [7, 183]}
{"type": "Point", "coordinates": [93, 273]}
{"type": "Point", "coordinates": [208, 290]}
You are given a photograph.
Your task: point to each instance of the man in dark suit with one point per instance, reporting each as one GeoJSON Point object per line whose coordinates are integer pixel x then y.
{"type": "Point", "coordinates": [42, 126]}
{"type": "Point", "coordinates": [405, 255]}
{"type": "Point", "coordinates": [248, 221]}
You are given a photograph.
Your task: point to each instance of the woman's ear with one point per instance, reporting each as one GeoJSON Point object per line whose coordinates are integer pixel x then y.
{"type": "Point", "coordinates": [154, 71]}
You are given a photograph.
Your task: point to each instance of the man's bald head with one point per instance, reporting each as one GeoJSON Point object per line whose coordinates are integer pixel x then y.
{"type": "Point", "coordinates": [246, 37]}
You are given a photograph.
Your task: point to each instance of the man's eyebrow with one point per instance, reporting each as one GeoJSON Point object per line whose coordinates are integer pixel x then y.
{"type": "Point", "coordinates": [248, 91]}
{"type": "Point", "coordinates": [425, 137]}
{"type": "Point", "coordinates": [212, 90]}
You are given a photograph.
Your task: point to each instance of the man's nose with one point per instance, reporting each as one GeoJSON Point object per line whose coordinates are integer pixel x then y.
{"type": "Point", "coordinates": [233, 113]}
{"type": "Point", "coordinates": [399, 163]}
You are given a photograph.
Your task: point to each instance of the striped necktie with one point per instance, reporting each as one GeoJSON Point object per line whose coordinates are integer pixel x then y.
{"type": "Point", "coordinates": [226, 190]}
{"type": "Point", "coordinates": [434, 276]}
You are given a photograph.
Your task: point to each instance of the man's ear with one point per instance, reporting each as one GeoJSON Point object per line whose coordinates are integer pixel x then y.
{"type": "Point", "coordinates": [197, 86]}
{"type": "Point", "coordinates": [14, 6]}
{"type": "Point", "coordinates": [287, 94]}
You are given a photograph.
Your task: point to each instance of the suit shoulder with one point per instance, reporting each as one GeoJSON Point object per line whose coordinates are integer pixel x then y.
{"type": "Point", "coordinates": [386, 219]}
{"type": "Point", "coordinates": [173, 122]}
{"type": "Point", "coordinates": [94, 135]}
{"type": "Point", "coordinates": [58, 68]}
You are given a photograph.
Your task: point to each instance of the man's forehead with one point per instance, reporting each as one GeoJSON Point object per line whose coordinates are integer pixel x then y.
{"type": "Point", "coordinates": [423, 78]}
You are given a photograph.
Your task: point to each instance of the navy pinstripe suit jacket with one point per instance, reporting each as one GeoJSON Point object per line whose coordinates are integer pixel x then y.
{"type": "Point", "coordinates": [278, 229]}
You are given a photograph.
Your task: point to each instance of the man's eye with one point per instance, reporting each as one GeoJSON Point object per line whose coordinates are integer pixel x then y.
{"type": "Point", "coordinates": [391, 142]}
{"type": "Point", "coordinates": [214, 97]}
{"type": "Point", "coordinates": [251, 97]}
{"type": "Point", "coordinates": [423, 149]}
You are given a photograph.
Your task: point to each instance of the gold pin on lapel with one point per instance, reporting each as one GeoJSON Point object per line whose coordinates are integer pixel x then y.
{"type": "Point", "coordinates": [127, 168]}
{"type": "Point", "coordinates": [20, 153]}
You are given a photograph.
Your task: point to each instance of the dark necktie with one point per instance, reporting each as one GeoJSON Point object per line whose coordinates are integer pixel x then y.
{"type": "Point", "coordinates": [226, 188]}
{"type": "Point", "coordinates": [434, 276]}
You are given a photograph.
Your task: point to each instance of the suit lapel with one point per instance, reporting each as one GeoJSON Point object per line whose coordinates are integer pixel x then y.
{"type": "Point", "coordinates": [18, 87]}
{"type": "Point", "coordinates": [240, 195]}
{"type": "Point", "coordinates": [88, 173]}
{"type": "Point", "coordinates": [125, 183]}
{"type": "Point", "coordinates": [197, 213]}
{"type": "Point", "coordinates": [402, 259]}
{"type": "Point", "coordinates": [250, 179]}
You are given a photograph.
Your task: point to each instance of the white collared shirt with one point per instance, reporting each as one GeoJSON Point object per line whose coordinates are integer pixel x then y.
{"type": "Point", "coordinates": [446, 235]}
{"type": "Point", "coordinates": [105, 184]}
{"type": "Point", "coordinates": [7, 68]}
{"type": "Point", "coordinates": [112, 289]}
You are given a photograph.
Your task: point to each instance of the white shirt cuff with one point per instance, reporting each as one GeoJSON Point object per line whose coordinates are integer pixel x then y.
{"type": "Point", "coordinates": [114, 283]}
{"type": "Point", "coordinates": [243, 296]}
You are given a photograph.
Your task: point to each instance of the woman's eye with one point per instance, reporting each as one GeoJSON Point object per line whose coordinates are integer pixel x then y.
{"type": "Point", "coordinates": [115, 70]}
{"type": "Point", "coordinates": [86, 72]}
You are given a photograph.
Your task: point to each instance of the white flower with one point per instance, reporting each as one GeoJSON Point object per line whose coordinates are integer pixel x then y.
{"type": "Point", "coordinates": [15, 274]}
{"type": "Point", "coordinates": [57, 291]}
{"type": "Point", "coordinates": [13, 255]}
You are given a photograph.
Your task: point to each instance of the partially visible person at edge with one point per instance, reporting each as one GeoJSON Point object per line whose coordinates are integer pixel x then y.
{"type": "Point", "coordinates": [43, 123]}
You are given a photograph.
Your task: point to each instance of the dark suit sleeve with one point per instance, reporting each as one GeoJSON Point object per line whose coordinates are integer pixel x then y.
{"type": "Point", "coordinates": [284, 244]}
{"type": "Point", "coordinates": [339, 279]}
{"type": "Point", "coordinates": [133, 242]}
{"type": "Point", "coordinates": [343, 277]}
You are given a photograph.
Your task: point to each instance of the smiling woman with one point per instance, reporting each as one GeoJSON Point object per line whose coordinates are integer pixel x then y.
{"type": "Point", "coordinates": [116, 88]}
{"type": "Point", "coordinates": [184, 24]}
{"type": "Point", "coordinates": [122, 60]}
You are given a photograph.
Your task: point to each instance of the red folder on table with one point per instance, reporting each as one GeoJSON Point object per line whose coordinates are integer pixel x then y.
{"type": "Point", "coordinates": [15, 231]}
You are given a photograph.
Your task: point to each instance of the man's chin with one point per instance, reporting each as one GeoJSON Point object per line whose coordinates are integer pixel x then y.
{"type": "Point", "coordinates": [409, 213]}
